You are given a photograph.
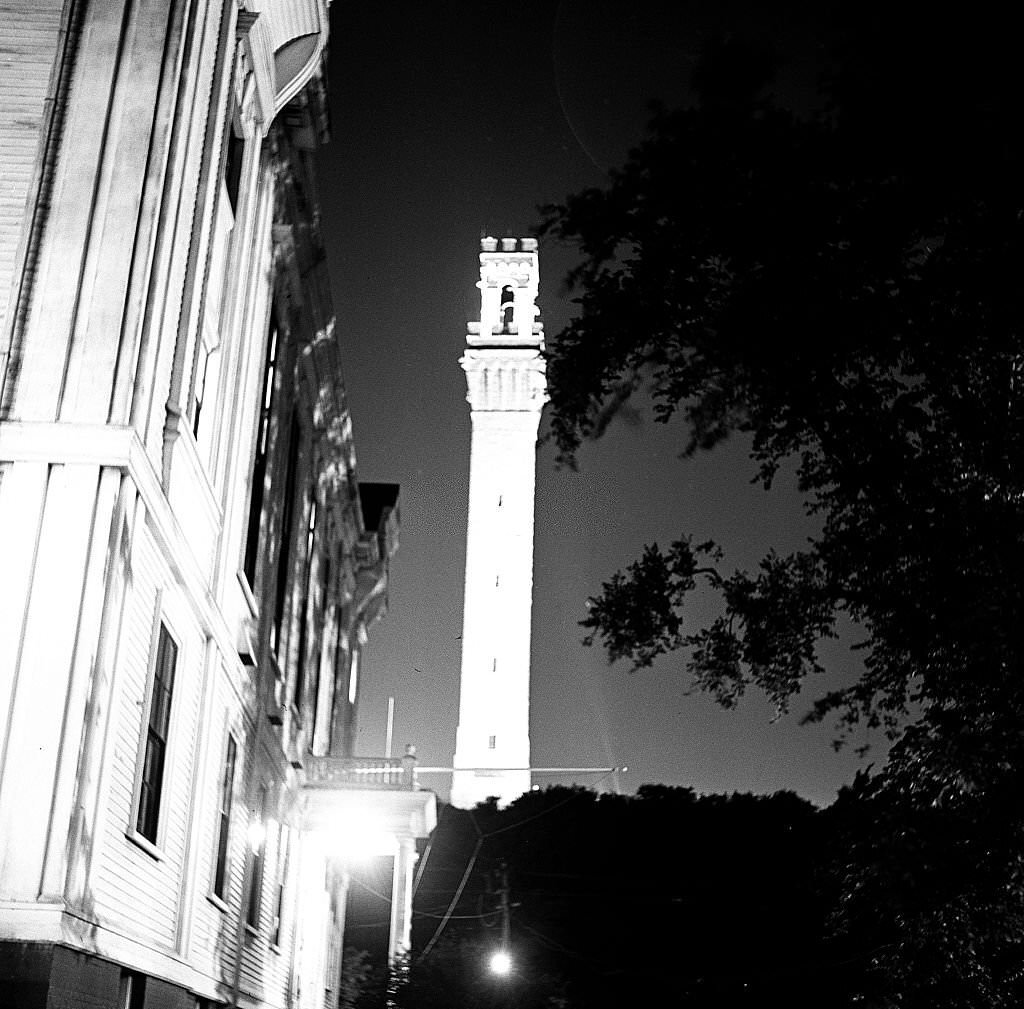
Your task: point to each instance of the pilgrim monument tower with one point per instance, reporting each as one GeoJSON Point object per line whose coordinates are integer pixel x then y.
{"type": "Point", "coordinates": [505, 374]}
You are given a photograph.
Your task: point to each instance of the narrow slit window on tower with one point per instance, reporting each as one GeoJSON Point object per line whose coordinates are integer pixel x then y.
{"type": "Point", "coordinates": [494, 665]}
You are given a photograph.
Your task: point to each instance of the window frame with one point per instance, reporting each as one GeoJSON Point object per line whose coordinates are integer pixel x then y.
{"type": "Point", "coordinates": [284, 851]}
{"type": "Point", "coordinates": [284, 553]}
{"type": "Point", "coordinates": [259, 466]}
{"type": "Point", "coordinates": [222, 845]}
{"type": "Point", "coordinates": [258, 862]}
{"type": "Point", "coordinates": [163, 623]}
{"type": "Point", "coordinates": [131, 992]}
{"type": "Point", "coordinates": [305, 607]}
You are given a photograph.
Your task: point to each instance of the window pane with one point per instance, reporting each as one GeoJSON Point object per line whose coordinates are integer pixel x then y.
{"type": "Point", "coordinates": [224, 818]}
{"type": "Point", "coordinates": [252, 914]}
{"type": "Point", "coordinates": [151, 783]}
{"type": "Point", "coordinates": [259, 466]}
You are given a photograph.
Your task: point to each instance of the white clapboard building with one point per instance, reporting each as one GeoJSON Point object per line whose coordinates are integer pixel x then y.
{"type": "Point", "coordinates": [188, 565]}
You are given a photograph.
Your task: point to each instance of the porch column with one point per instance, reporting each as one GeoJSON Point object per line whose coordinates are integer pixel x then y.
{"type": "Point", "coordinates": [401, 898]}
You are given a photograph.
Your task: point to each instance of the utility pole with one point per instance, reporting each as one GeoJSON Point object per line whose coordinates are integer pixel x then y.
{"type": "Point", "coordinates": [504, 905]}
{"type": "Point", "coordinates": [501, 958]}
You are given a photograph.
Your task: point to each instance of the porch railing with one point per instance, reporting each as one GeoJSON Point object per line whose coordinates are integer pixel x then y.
{"type": "Point", "coordinates": [396, 773]}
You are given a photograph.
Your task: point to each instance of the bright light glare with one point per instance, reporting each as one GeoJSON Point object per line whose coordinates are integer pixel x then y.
{"type": "Point", "coordinates": [257, 833]}
{"type": "Point", "coordinates": [501, 962]}
{"type": "Point", "coordinates": [359, 843]}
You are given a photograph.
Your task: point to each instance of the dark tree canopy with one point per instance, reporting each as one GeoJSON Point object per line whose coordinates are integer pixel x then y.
{"type": "Point", "coordinates": [844, 289]}
{"type": "Point", "coordinates": [663, 898]}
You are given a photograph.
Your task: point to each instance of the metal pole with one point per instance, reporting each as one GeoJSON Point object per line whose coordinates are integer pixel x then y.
{"type": "Point", "coordinates": [391, 728]}
{"type": "Point", "coordinates": [506, 927]}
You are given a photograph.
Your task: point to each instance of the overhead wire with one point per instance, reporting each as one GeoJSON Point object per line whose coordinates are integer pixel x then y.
{"type": "Point", "coordinates": [544, 812]}
{"type": "Point", "coordinates": [480, 838]}
{"type": "Point", "coordinates": [458, 893]}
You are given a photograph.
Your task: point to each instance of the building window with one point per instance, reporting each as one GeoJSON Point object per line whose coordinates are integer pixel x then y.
{"type": "Point", "coordinates": [304, 606]}
{"type": "Point", "coordinates": [284, 554]}
{"type": "Point", "coordinates": [154, 756]}
{"type": "Point", "coordinates": [233, 165]}
{"type": "Point", "coordinates": [258, 842]}
{"type": "Point", "coordinates": [259, 465]}
{"type": "Point", "coordinates": [283, 851]}
{"type": "Point", "coordinates": [205, 377]}
{"type": "Point", "coordinates": [492, 742]}
{"type": "Point", "coordinates": [325, 587]}
{"type": "Point", "coordinates": [227, 789]}
{"type": "Point", "coordinates": [131, 991]}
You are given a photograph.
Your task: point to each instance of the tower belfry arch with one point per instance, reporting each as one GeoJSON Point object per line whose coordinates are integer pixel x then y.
{"type": "Point", "coordinates": [506, 393]}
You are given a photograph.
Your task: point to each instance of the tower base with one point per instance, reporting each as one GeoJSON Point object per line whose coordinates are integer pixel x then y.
{"type": "Point", "coordinates": [471, 787]}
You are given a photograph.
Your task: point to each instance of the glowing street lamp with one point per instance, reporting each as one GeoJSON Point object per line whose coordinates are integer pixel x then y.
{"type": "Point", "coordinates": [501, 963]}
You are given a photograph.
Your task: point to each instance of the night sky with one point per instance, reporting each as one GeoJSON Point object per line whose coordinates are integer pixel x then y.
{"type": "Point", "coordinates": [457, 117]}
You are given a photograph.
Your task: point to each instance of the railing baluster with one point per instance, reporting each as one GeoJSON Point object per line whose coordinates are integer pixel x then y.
{"type": "Point", "coordinates": [360, 772]}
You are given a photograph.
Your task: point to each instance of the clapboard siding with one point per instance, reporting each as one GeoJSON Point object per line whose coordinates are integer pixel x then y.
{"type": "Point", "coordinates": [130, 885]}
{"type": "Point", "coordinates": [215, 930]}
{"type": "Point", "coordinates": [137, 891]}
{"type": "Point", "coordinates": [29, 33]}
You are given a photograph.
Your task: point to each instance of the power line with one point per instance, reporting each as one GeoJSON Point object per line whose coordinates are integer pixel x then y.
{"type": "Point", "coordinates": [549, 809]}
{"type": "Point", "coordinates": [455, 899]}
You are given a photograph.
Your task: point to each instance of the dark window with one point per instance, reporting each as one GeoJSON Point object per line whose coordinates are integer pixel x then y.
{"type": "Point", "coordinates": [507, 306]}
{"type": "Point", "coordinates": [132, 990]}
{"type": "Point", "coordinates": [284, 554]}
{"type": "Point", "coordinates": [283, 851]}
{"type": "Point", "coordinates": [325, 585]}
{"type": "Point", "coordinates": [305, 614]}
{"type": "Point", "coordinates": [156, 736]}
{"type": "Point", "coordinates": [227, 788]}
{"type": "Point", "coordinates": [259, 465]}
{"type": "Point", "coordinates": [259, 857]}
{"type": "Point", "coordinates": [199, 392]}
{"type": "Point", "coordinates": [233, 165]}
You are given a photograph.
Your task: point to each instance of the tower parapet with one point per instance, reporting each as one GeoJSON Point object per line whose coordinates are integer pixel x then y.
{"type": "Point", "coordinates": [509, 280]}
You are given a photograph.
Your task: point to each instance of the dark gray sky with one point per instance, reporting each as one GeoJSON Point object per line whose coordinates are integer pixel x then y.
{"type": "Point", "coordinates": [455, 116]}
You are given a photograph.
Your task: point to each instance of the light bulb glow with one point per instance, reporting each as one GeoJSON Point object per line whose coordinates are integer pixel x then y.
{"type": "Point", "coordinates": [361, 840]}
{"type": "Point", "coordinates": [501, 963]}
{"type": "Point", "coordinates": [257, 834]}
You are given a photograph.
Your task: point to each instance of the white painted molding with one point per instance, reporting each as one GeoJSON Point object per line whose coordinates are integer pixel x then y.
{"type": "Point", "coordinates": [121, 448]}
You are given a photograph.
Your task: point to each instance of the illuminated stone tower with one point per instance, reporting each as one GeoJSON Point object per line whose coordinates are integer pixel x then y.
{"type": "Point", "coordinates": [505, 374]}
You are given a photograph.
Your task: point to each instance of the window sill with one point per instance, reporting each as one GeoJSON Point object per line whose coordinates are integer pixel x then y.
{"type": "Point", "coordinates": [247, 595]}
{"type": "Point", "coordinates": [145, 844]}
{"type": "Point", "coordinates": [218, 903]}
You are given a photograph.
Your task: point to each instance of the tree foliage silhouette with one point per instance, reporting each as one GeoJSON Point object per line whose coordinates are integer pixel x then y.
{"type": "Point", "coordinates": [665, 897]}
{"type": "Point", "coordinates": [844, 290]}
